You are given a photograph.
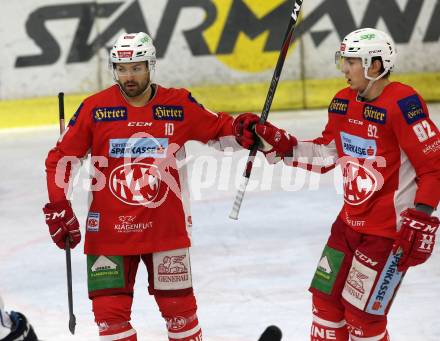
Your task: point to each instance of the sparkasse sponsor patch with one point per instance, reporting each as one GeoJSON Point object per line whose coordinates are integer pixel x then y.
{"type": "Point", "coordinates": [357, 146]}
{"type": "Point", "coordinates": [386, 287]}
{"type": "Point", "coordinates": [138, 147]}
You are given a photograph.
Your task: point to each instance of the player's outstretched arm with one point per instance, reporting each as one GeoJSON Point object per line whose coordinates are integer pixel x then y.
{"type": "Point", "coordinates": [248, 131]}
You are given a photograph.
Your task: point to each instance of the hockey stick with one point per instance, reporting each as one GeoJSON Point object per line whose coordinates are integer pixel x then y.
{"type": "Point", "coordinates": [72, 318]}
{"type": "Point", "coordinates": [272, 333]}
{"type": "Point", "coordinates": [266, 108]}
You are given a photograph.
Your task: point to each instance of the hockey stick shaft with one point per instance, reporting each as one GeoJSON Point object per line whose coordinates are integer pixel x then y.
{"type": "Point", "coordinates": [267, 104]}
{"type": "Point", "coordinates": [72, 318]}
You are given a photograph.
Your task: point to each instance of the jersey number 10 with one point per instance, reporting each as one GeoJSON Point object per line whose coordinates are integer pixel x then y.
{"type": "Point", "coordinates": [169, 129]}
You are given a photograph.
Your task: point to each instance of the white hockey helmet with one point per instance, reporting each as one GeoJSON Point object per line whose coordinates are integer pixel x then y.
{"type": "Point", "coordinates": [134, 47]}
{"type": "Point", "coordinates": [367, 43]}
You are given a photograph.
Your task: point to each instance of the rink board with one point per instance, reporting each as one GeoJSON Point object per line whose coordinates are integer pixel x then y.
{"type": "Point", "coordinates": [215, 48]}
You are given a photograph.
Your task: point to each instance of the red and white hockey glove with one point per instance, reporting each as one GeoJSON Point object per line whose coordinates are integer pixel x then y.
{"type": "Point", "coordinates": [270, 139]}
{"type": "Point", "coordinates": [273, 139]}
{"type": "Point", "coordinates": [62, 222]}
{"type": "Point", "coordinates": [416, 239]}
{"type": "Point", "coordinates": [243, 129]}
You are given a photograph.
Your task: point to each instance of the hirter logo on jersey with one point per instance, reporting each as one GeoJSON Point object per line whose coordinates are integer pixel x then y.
{"type": "Point", "coordinates": [138, 184]}
{"type": "Point", "coordinates": [375, 114]}
{"type": "Point", "coordinates": [105, 114]}
{"type": "Point", "coordinates": [359, 183]}
{"type": "Point", "coordinates": [168, 112]}
{"type": "Point", "coordinates": [411, 108]}
{"type": "Point", "coordinates": [338, 106]}
{"type": "Point", "coordinates": [358, 147]}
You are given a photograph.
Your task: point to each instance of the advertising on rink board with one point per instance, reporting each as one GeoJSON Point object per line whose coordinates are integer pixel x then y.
{"type": "Point", "coordinates": [214, 47]}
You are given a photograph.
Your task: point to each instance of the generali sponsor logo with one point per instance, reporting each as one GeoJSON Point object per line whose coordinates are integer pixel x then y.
{"type": "Point", "coordinates": [358, 284]}
{"type": "Point", "coordinates": [173, 269]}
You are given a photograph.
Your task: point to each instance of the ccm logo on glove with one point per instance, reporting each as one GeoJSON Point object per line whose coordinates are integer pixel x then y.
{"type": "Point", "coordinates": [62, 223]}
{"type": "Point", "coordinates": [55, 215]}
{"type": "Point", "coordinates": [416, 238]}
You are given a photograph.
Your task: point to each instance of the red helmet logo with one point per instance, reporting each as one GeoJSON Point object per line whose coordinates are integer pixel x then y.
{"type": "Point", "coordinates": [125, 54]}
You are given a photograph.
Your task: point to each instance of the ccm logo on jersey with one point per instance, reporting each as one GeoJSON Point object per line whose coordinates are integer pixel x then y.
{"type": "Point", "coordinates": [105, 114]}
{"type": "Point", "coordinates": [338, 106]}
{"type": "Point", "coordinates": [140, 124]}
{"type": "Point", "coordinates": [412, 109]}
{"type": "Point", "coordinates": [375, 114]}
{"type": "Point", "coordinates": [168, 112]}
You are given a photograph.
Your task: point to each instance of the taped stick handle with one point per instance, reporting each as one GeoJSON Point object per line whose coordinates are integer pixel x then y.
{"type": "Point", "coordinates": [61, 111]}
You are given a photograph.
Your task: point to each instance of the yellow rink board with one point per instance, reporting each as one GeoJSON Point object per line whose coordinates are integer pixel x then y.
{"type": "Point", "coordinates": [312, 93]}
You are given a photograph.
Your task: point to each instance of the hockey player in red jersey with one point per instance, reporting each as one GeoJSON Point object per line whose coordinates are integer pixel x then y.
{"type": "Point", "coordinates": [135, 132]}
{"type": "Point", "coordinates": [380, 134]}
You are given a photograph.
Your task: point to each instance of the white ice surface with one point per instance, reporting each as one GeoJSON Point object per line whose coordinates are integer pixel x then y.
{"type": "Point", "coordinates": [247, 274]}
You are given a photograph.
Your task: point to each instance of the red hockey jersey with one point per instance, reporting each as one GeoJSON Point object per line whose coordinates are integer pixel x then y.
{"type": "Point", "coordinates": [139, 195]}
{"type": "Point", "coordinates": [389, 153]}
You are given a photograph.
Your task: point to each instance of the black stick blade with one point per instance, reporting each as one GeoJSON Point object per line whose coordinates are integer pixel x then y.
{"type": "Point", "coordinates": [72, 324]}
{"type": "Point", "coordinates": [272, 333]}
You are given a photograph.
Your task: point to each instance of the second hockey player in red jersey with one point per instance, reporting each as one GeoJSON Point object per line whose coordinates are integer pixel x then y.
{"type": "Point", "coordinates": [388, 148]}
{"type": "Point", "coordinates": [135, 132]}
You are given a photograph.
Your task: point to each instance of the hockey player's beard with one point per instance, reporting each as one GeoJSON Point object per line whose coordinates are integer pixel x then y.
{"type": "Point", "coordinates": [134, 89]}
